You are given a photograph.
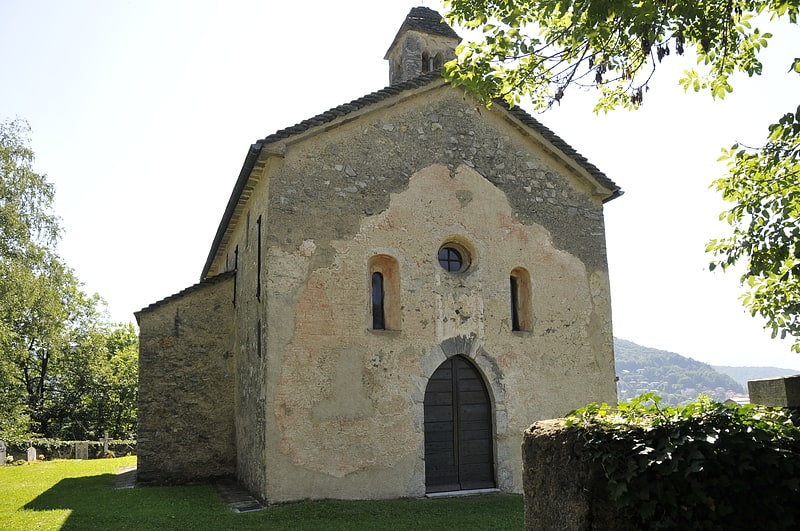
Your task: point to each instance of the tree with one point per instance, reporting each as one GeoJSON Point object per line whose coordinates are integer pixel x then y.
{"type": "Point", "coordinates": [61, 362]}
{"type": "Point", "coordinates": [764, 185]}
{"type": "Point", "coordinates": [111, 400]}
{"type": "Point", "coordinates": [539, 49]}
{"type": "Point", "coordinates": [33, 280]}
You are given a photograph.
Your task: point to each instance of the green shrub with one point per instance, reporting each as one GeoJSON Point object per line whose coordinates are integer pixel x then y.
{"type": "Point", "coordinates": [704, 465]}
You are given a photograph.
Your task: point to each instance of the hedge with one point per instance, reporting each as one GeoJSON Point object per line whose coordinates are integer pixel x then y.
{"type": "Point", "coordinates": [58, 449]}
{"type": "Point", "coordinates": [705, 465]}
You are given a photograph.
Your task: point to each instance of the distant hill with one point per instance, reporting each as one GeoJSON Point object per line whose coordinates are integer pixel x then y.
{"type": "Point", "coordinates": [743, 374]}
{"type": "Point", "coordinates": [675, 378]}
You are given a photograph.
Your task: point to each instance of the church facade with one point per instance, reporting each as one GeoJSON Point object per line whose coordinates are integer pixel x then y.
{"type": "Point", "coordinates": [397, 289]}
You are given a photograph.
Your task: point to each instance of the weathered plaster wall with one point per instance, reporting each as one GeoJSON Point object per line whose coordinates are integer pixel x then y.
{"type": "Point", "coordinates": [332, 409]}
{"type": "Point", "coordinates": [186, 382]}
{"type": "Point", "coordinates": [348, 401]}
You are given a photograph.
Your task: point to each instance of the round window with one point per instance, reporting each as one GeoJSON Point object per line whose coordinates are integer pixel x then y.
{"type": "Point", "coordinates": [453, 258]}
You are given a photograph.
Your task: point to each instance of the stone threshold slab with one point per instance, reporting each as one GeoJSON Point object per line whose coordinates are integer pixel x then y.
{"type": "Point", "coordinates": [236, 496]}
{"type": "Point", "coordinates": [453, 493]}
{"type": "Point", "coordinates": [125, 478]}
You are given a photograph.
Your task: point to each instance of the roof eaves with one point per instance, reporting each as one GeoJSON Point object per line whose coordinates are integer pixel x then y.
{"type": "Point", "coordinates": [321, 119]}
{"type": "Point", "coordinates": [241, 182]}
{"type": "Point", "coordinates": [565, 148]}
{"type": "Point", "coordinates": [350, 107]}
{"type": "Point", "coordinates": [203, 283]}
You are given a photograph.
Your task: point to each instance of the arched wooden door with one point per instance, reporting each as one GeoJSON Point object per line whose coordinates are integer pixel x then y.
{"type": "Point", "coordinates": [458, 429]}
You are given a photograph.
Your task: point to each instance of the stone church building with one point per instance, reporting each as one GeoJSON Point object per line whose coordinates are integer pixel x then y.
{"type": "Point", "coordinates": [398, 287]}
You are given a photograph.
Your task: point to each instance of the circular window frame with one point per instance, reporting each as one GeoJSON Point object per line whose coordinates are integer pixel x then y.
{"type": "Point", "coordinates": [461, 250]}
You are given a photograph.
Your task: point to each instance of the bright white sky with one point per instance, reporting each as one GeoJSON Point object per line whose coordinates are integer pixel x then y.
{"type": "Point", "coordinates": [143, 111]}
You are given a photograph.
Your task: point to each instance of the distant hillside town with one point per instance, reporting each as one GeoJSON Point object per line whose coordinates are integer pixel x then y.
{"type": "Point", "coordinates": [678, 379]}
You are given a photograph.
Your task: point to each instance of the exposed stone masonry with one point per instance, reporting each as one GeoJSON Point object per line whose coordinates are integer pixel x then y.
{"type": "Point", "coordinates": [186, 366]}
{"type": "Point", "coordinates": [369, 167]}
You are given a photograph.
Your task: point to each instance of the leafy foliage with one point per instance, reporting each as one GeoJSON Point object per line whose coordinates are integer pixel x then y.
{"type": "Point", "coordinates": [27, 224]}
{"type": "Point", "coordinates": [764, 186]}
{"type": "Point", "coordinates": [540, 48]}
{"type": "Point", "coordinates": [696, 466]}
{"type": "Point", "coordinates": [59, 354]}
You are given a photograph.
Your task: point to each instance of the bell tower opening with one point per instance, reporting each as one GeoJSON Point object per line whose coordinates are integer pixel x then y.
{"type": "Point", "coordinates": [423, 44]}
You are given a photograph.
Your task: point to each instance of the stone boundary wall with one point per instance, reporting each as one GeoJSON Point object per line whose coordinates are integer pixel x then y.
{"type": "Point", "coordinates": [775, 392]}
{"type": "Point", "coordinates": [563, 488]}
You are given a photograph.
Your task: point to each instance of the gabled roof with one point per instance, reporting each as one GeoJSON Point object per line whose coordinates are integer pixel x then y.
{"type": "Point", "coordinates": [425, 20]}
{"type": "Point", "coordinates": [241, 190]}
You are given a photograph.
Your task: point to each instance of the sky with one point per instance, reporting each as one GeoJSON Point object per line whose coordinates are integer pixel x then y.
{"type": "Point", "coordinates": [142, 113]}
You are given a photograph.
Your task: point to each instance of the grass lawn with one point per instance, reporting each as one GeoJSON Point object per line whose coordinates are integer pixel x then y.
{"type": "Point", "coordinates": [78, 495]}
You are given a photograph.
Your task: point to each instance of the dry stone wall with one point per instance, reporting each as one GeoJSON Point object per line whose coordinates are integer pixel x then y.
{"type": "Point", "coordinates": [186, 386]}
{"type": "Point", "coordinates": [563, 488]}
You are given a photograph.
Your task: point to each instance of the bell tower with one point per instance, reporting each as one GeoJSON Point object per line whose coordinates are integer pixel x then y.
{"type": "Point", "coordinates": [424, 43]}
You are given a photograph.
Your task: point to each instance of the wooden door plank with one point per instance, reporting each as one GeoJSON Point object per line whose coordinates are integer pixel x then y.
{"type": "Point", "coordinates": [458, 431]}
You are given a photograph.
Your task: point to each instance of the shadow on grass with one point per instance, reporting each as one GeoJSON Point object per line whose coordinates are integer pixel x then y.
{"type": "Point", "coordinates": [94, 504]}
{"type": "Point", "coordinates": [68, 493]}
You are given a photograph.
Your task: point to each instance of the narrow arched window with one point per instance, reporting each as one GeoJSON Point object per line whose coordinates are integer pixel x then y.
{"type": "Point", "coordinates": [378, 295]}
{"type": "Point", "coordinates": [520, 291]}
{"type": "Point", "coordinates": [384, 288]}
{"type": "Point", "coordinates": [514, 304]}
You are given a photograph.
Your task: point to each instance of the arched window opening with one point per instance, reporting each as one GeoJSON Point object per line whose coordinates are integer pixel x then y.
{"type": "Point", "coordinates": [378, 315]}
{"type": "Point", "coordinates": [427, 64]}
{"type": "Point", "coordinates": [514, 304]}
{"type": "Point", "coordinates": [384, 289]}
{"type": "Point", "coordinates": [438, 61]}
{"type": "Point", "coordinates": [520, 290]}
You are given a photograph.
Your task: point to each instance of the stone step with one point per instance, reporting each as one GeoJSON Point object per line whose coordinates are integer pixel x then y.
{"type": "Point", "coordinates": [236, 496]}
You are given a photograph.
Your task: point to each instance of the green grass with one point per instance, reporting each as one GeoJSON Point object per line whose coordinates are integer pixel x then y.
{"type": "Point", "coordinates": [78, 495]}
